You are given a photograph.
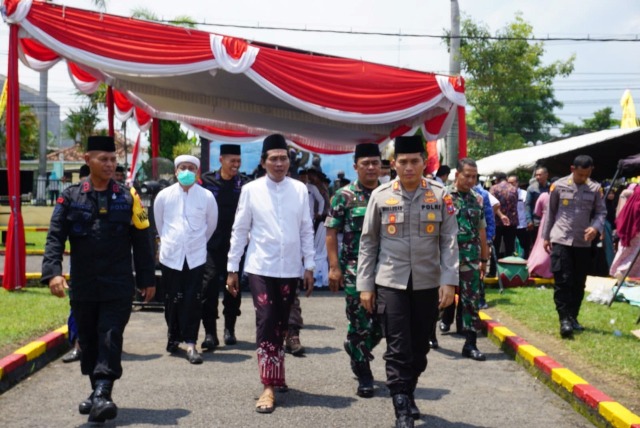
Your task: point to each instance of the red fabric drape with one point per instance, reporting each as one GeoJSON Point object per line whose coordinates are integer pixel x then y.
{"type": "Point", "coordinates": [110, 110]}
{"type": "Point", "coordinates": [14, 265]}
{"type": "Point", "coordinates": [155, 138]}
{"type": "Point", "coordinates": [462, 133]}
{"type": "Point", "coordinates": [345, 84]}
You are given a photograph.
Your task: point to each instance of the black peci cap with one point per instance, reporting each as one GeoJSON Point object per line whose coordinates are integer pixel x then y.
{"type": "Point", "coordinates": [412, 144]}
{"type": "Point", "coordinates": [366, 150]}
{"type": "Point", "coordinates": [101, 143]}
{"type": "Point", "coordinates": [229, 149]}
{"type": "Point", "coordinates": [274, 141]}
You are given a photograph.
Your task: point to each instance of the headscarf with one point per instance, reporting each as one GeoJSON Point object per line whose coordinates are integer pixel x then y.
{"type": "Point", "coordinates": [628, 221]}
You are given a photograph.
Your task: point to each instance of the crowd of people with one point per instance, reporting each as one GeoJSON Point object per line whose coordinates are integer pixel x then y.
{"type": "Point", "coordinates": [400, 245]}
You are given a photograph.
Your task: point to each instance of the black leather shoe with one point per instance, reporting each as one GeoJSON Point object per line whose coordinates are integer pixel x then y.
{"type": "Point", "coordinates": [84, 408]}
{"type": "Point", "coordinates": [576, 325]}
{"type": "Point", "coordinates": [566, 328]}
{"type": "Point", "coordinates": [444, 327]}
{"type": "Point", "coordinates": [229, 337]}
{"type": "Point", "coordinates": [365, 380]}
{"type": "Point", "coordinates": [193, 356]}
{"type": "Point", "coordinates": [473, 353]}
{"type": "Point", "coordinates": [210, 342]}
{"type": "Point", "coordinates": [103, 407]}
{"type": "Point", "coordinates": [172, 347]}
{"type": "Point", "coordinates": [433, 343]}
{"type": "Point", "coordinates": [74, 355]}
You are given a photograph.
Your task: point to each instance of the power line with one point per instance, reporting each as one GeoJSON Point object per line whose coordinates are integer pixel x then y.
{"type": "Point", "coordinates": [587, 38]}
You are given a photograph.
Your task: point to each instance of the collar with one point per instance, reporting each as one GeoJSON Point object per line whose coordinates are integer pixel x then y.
{"type": "Point", "coordinates": [87, 187]}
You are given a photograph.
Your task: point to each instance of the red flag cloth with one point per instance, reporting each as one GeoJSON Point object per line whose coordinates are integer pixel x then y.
{"type": "Point", "coordinates": [462, 133]}
{"type": "Point", "coordinates": [134, 159]}
{"type": "Point", "coordinates": [433, 160]}
{"type": "Point", "coordinates": [15, 257]}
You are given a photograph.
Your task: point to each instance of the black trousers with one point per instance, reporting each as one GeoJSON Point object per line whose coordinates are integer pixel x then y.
{"type": "Point", "coordinates": [452, 311]}
{"type": "Point", "coordinates": [407, 319]}
{"type": "Point", "coordinates": [569, 266]}
{"type": "Point", "coordinates": [506, 234]}
{"type": "Point", "coordinates": [100, 335]}
{"type": "Point", "coordinates": [523, 236]}
{"type": "Point", "coordinates": [183, 302]}
{"type": "Point", "coordinates": [214, 281]}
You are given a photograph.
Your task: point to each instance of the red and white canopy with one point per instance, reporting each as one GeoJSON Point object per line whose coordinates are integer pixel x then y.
{"type": "Point", "coordinates": [225, 87]}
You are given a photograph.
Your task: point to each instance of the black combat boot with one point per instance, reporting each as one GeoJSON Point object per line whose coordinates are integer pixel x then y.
{"type": "Point", "coordinates": [365, 379]}
{"type": "Point", "coordinates": [230, 331]}
{"type": "Point", "coordinates": [103, 408]}
{"type": "Point", "coordinates": [210, 342]}
{"type": "Point", "coordinates": [470, 350]}
{"type": "Point", "coordinates": [403, 412]}
{"type": "Point", "coordinates": [84, 408]}
{"type": "Point", "coordinates": [413, 407]}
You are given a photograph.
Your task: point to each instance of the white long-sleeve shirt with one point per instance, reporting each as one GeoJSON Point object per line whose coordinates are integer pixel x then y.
{"type": "Point", "coordinates": [273, 217]}
{"type": "Point", "coordinates": [316, 201]}
{"type": "Point", "coordinates": [522, 216]}
{"type": "Point", "coordinates": [185, 221]}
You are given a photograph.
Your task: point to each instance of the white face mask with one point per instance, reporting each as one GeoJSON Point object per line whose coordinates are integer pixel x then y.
{"type": "Point", "coordinates": [384, 179]}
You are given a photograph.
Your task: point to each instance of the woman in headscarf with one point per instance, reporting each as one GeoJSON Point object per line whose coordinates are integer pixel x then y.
{"type": "Point", "coordinates": [628, 229]}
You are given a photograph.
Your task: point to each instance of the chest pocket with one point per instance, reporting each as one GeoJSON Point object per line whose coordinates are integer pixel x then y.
{"type": "Point", "coordinates": [357, 219]}
{"type": "Point", "coordinates": [586, 200]}
{"type": "Point", "coordinates": [80, 222]}
{"type": "Point", "coordinates": [196, 217]}
{"type": "Point", "coordinates": [119, 222]}
{"type": "Point", "coordinates": [430, 221]}
{"type": "Point", "coordinates": [567, 200]}
{"type": "Point", "coordinates": [473, 216]}
{"type": "Point", "coordinates": [393, 223]}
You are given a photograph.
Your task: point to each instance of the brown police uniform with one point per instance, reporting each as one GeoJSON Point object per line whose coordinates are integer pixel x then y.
{"type": "Point", "coordinates": [408, 248]}
{"type": "Point", "coordinates": [572, 209]}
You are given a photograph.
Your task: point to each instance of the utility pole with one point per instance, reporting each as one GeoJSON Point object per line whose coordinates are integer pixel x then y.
{"type": "Point", "coordinates": [454, 70]}
{"type": "Point", "coordinates": [43, 116]}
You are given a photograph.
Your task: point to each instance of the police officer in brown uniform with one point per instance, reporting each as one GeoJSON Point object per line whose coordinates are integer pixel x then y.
{"type": "Point", "coordinates": [408, 268]}
{"type": "Point", "coordinates": [576, 215]}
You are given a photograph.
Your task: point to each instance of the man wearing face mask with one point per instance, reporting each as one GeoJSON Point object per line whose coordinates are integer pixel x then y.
{"type": "Point", "coordinates": [186, 216]}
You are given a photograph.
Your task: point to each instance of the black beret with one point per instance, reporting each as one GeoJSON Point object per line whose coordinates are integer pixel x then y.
{"type": "Point", "coordinates": [274, 141]}
{"type": "Point", "coordinates": [412, 144]}
{"type": "Point", "coordinates": [101, 143]}
{"type": "Point", "coordinates": [229, 149]}
{"type": "Point", "coordinates": [386, 163]}
{"type": "Point", "coordinates": [366, 150]}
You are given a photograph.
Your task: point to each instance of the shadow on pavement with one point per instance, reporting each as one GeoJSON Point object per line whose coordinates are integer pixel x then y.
{"type": "Point", "coordinates": [318, 327]}
{"type": "Point", "coordinates": [152, 417]}
{"type": "Point", "coordinates": [295, 398]}
{"type": "Point", "coordinates": [136, 357]}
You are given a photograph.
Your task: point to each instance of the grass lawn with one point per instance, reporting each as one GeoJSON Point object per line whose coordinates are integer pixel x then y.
{"type": "Point", "coordinates": [35, 240]}
{"type": "Point", "coordinates": [607, 343]}
{"type": "Point", "coordinates": [28, 314]}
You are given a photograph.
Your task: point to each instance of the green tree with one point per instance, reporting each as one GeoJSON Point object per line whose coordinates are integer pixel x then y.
{"type": "Point", "coordinates": [174, 141]}
{"type": "Point", "coordinates": [602, 119]}
{"type": "Point", "coordinates": [29, 135]}
{"type": "Point", "coordinates": [508, 88]}
{"type": "Point", "coordinates": [81, 123]}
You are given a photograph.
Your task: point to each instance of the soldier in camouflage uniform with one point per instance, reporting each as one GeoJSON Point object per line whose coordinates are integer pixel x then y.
{"type": "Point", "coordinates": [472, 244]}
{"type": "Point", "coordinates": [346, 215]}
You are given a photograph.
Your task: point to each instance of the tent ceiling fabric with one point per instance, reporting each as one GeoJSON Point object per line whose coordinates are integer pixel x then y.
{"type": "Point", "coordinates": [323, 103]}
{"type": "Point", "coordinates": [605, 147]}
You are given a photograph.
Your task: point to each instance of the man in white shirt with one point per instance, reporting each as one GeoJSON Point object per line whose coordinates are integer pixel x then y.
{"type": "Point", "coordinates": [273, 218]}
{"type": "Point", "coordinates": [522, 234]}
{"type": "Point", "coordinates": [186, 215]}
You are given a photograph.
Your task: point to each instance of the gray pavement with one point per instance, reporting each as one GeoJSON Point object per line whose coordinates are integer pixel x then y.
{"type": "Point", "coordinates": [158, 389]}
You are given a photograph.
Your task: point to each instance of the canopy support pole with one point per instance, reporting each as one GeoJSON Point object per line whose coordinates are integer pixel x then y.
{"type": "Point", "coordinates": [462, 133]}
{"type": "Point", "coordinates": [15, 256]}
{"type": "Point", "coordinates": [110, 112]}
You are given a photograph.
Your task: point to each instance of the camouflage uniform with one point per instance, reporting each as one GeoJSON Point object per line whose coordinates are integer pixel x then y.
{"type": "Point", "coordinates": [470, 216]}
{"type": "Point", "coordinates": [346, 214]}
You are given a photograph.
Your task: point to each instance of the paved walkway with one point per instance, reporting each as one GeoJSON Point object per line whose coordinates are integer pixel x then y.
{"type": "Point", "coordinates": [158, 389]}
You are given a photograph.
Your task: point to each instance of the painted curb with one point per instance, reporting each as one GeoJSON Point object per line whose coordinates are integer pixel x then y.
{"type": "Point", "coordinates": [32, 357]}
{"type": "Point", "coordinates": [596, 406]}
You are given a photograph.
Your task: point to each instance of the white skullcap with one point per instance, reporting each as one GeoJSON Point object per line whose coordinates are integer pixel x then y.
{"type": "Point", "coordinates": [187, 158]}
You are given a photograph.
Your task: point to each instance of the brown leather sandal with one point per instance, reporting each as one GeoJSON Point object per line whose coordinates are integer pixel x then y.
{"type": "Point", "coordinates": [266, 403]}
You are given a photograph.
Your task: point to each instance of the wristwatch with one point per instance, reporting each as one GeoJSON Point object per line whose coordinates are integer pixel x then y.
{"type": "Point", "coordinates": [484, 260]}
